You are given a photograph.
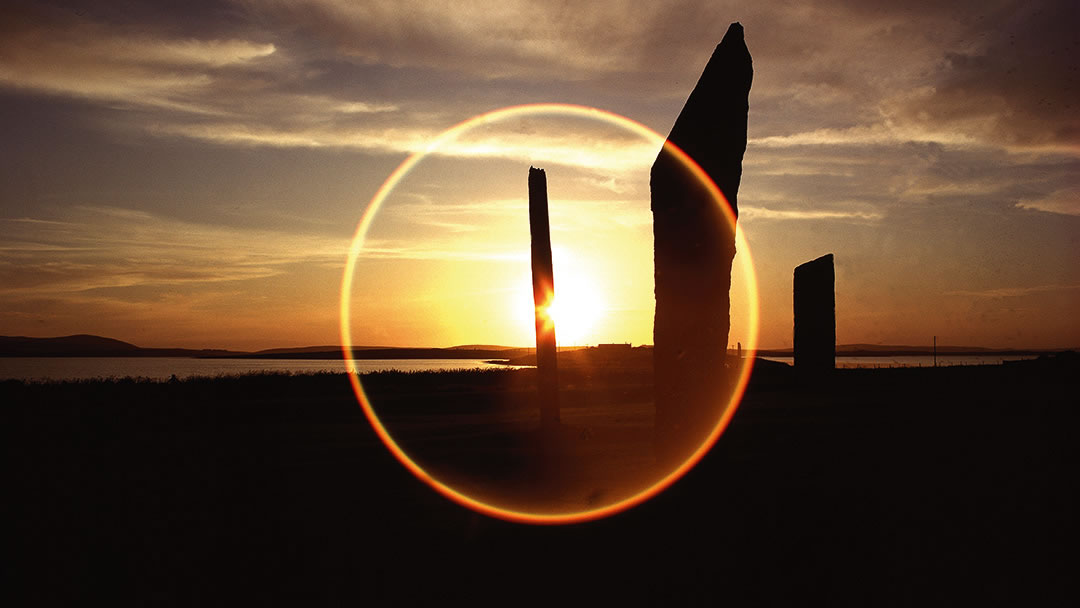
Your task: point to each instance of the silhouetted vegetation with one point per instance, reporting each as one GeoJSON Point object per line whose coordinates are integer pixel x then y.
{"type": "Point", "coordinates": [884, 487]}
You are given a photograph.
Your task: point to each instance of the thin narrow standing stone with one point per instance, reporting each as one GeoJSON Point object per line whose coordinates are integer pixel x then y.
{"type": "Point", "coordinates": [543, 280]}
{"type": "Point", "coordinates": [694, 246]}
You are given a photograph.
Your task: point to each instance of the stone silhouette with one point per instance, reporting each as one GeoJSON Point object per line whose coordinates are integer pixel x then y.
{"type": "Point", "coordinates": [543, 281]}
{"type": "Point", "coordinates": [815, 315]}
{"type": "Point", "coordinates": [694, 246]}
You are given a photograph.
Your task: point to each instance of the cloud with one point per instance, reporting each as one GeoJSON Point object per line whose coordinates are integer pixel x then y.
{"type": "Point", "coordinates": [225, 90]}
{"type": "Point", "coordinates": [385, 249]}
{"type": "Point", "coordinates": [754, 213]}
{"type": "Point", "coordinates": [214, 53]}
{"type": "Point", "coordinates": [1016, 83]}
{"type": "Point", "coordinates": [490, 38]}
{"type": "Point", "coordinates": [107, 247]}
{"type": "Point", "coordinates": [482, 210]}
{"type": "Point", "coordinates": [332, 73]}
{"type": "Point", "coordinates": [1001, 74]}
{"type": "Point", "coordinates": [912, 177]}
{"type": "Point", "coordinates": [871, 134]}
{"type": "Point", "coordinates": [78, 58]}
{"type": "Point", "coordinates": [566, 213]}
{"type": "Point", "coordinates": [1013, 292]}
{"type": "Point", "coordinates": [496, 229]}
{"type": "Point", "coordinates": [1065, 202]}
{"type": "Point", "coordinates": [610, 151]}
{"type": "Point", "coordinates": [359, 107]}
{"type": "Point", "coordinates": [609, 184]}
{"type": "Point", "coordinates": [241, 134]}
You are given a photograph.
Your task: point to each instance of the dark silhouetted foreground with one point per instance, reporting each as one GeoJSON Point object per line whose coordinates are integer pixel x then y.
{"type": "Point", "coordinates": [887, 487]}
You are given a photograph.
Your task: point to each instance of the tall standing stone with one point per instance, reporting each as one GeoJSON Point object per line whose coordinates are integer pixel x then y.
{"type": "Point", "coordinates": [694, 245]}
{"type": "Point", "coordinates": [815, 316]}
{"type": "Point", "coordinates": [543, 281]}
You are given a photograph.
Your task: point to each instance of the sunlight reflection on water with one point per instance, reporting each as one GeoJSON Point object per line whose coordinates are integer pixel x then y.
{"type": "Point", "coordinates": [162, 368]}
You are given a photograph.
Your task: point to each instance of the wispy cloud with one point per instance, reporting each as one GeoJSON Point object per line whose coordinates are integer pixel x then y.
{"type": "Point", "coordinates": [359, 107]}
{"type": "Point", "coordinates": [83, 59]}
{"type": "Point", "coordinates": [1066, 202]}
{"type": "Point", "coordinates": [868, 134]}
{"type": "Point", "coordinates": [106, 247]}
{"type": "Point", "coordinates": [1013, 292]}
{"type": "Point", "coordinates": [241, 134]}
{"type": "Point", "coordinates": [491, 38]}
{"type": "Point", "coordinates": [612, 152]}
{"type": "Point", "coordinates": [398, 250]}
{"type": "Point", "coordinates": [751, 213]}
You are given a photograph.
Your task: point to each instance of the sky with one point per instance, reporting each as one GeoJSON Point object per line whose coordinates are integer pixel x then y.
{"type": "Point", "coordinates": [192, 174]}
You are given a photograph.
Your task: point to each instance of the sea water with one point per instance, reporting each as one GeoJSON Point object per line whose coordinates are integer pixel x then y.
{"type": "Point", "coordinates": [914, 360]}
{"type": "Point", "coordinates": [163, 368]}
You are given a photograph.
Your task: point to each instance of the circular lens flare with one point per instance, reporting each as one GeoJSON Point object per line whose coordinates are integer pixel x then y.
{"type": "Point", "coordinates": [584, 309]}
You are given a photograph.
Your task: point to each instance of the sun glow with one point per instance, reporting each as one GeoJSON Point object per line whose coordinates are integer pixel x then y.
{"type": "Point", "coordinates": [580, 315]}
{"type": "Point", "coordinates": [576, 309]}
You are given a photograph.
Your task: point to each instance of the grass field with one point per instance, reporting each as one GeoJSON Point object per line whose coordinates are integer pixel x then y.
{"type": "Point", "coordinates": [878, 487]}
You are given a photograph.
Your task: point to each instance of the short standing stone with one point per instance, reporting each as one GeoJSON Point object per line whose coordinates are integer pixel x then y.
{"type": "Point", "coordinates": [815, 315]}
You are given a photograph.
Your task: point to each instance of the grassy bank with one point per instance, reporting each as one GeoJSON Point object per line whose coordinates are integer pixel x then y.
{"type": "Point", "coordinates": [904, 486]}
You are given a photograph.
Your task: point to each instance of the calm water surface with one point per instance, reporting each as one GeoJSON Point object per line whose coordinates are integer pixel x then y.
{"type": "Point", "coordinates": [162, 368]}
{"type": "Point", "coordinates": [915, 361]}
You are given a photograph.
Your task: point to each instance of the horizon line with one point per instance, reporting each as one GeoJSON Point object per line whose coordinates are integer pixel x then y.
{"type": "Point", "coordinates": [480, 346]}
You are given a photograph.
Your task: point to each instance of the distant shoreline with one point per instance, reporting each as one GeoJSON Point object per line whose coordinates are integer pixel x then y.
{"type": "Point", "coordinates": [96, 346]}
{"type": "Point", "coordinates": [924, 353]}
{"type": "Point", "coordinates": [493, 356]}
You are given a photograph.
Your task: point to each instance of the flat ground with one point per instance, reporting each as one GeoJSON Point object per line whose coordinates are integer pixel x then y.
{"type": "Point", "coordinates": [906, 486]}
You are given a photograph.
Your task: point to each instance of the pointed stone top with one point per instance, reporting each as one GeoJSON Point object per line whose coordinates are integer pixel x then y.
{"type": "Point", "coordinates": [734, 33]}
{"type": "Point", "coordinates": [711, 127]}
{"type": "Point", "coordinates": [722, 88]}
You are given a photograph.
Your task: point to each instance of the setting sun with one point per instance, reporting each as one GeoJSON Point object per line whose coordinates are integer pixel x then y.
{"type": "Point", "coordinates": [577, 308]}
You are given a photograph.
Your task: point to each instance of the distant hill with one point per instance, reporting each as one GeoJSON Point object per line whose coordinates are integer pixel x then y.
{"type": "Point", "coordinates": [84, 345]}
{"type": "Point", "coordinates": [303, 349]}
{"type": "Point", "coordinates": [80, 344]}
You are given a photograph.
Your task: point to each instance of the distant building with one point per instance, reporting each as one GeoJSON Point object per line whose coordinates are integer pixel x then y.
{"type": "Point", "coordinates": [614, 348]}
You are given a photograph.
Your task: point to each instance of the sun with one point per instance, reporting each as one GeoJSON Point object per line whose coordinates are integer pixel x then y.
{"type": "Point", "coordinates": [577, 308]}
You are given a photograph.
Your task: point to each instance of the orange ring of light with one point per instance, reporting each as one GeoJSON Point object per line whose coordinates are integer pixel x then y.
{"type": "Point", "coordinates": [358, 242]}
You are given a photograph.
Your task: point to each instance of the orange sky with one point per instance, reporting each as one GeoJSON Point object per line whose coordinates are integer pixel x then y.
{"type": "Point", "coordinates": [193, 175]}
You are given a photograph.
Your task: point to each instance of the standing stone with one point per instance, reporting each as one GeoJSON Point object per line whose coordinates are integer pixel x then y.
{"type": "Point", "coordinates": [694, 245]}
{"type": "Point", "coordinates": [543, 281]}
{"type": "Point", "coordinates": [815, 316]}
